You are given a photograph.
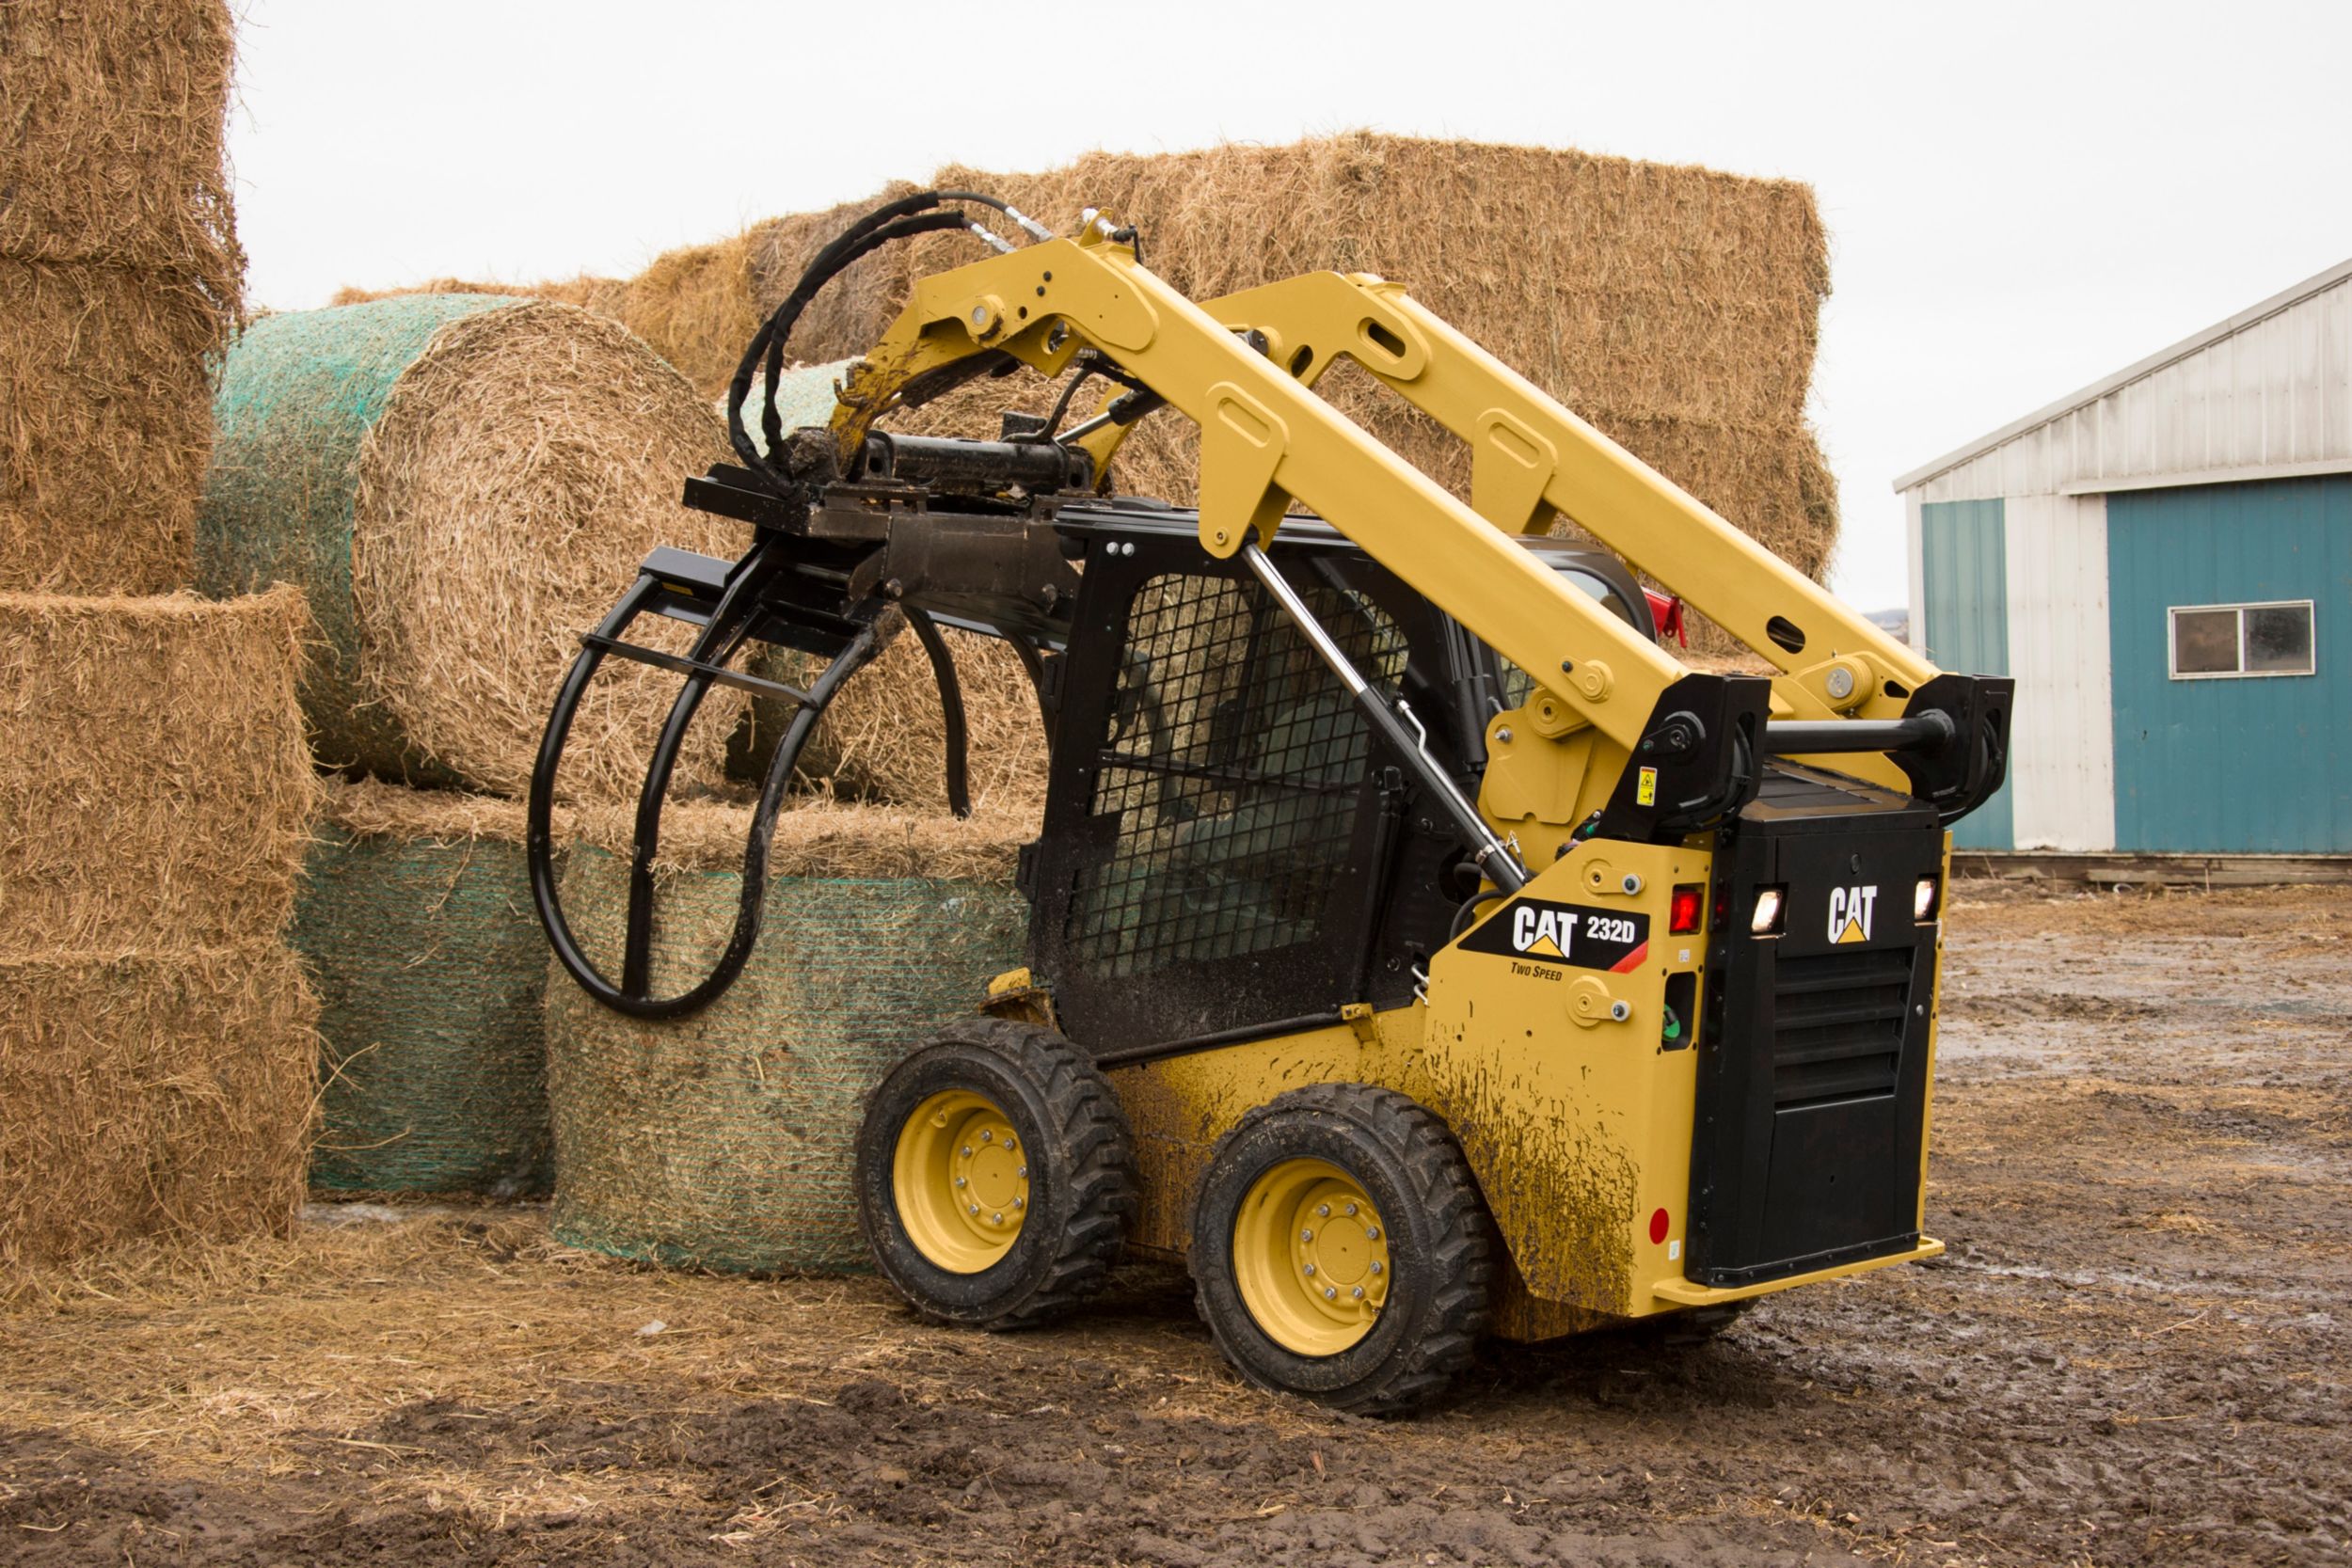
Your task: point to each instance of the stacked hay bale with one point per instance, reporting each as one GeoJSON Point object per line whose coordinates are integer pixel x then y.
{"type": "Point", "coordinates": [723, 1140]}
{"type": "Point", "coordinates": [156, 1048]}
{"type": "Point", "coordinates": [462, 484]}
{"type": "Point", "coordinates": [119, 276]}
{"type": "Point", "coordinates": [415, 920]}
{"type": "Point", "coordinates": [1677, 308]}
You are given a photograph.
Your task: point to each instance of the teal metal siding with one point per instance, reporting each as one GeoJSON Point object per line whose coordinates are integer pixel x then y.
{"type": "Point", "coordinates": [1964, 562]}
{"type": "Point", "coordinates": [2249, 766]}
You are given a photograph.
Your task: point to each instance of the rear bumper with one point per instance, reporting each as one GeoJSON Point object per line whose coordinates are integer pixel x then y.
{"type": "Point", "coordinates": [1682, 1292]}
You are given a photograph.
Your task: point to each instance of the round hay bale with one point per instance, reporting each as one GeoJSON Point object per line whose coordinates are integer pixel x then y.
{"type": "Point", "coordinates": [722, 1141]}
{"type": "Point", "coordinates": [429, 964]}
{"type": "Point", "coordinates": [462, 483]}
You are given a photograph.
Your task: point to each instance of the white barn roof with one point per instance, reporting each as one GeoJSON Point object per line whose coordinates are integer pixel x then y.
{"type": "Point", "coordinates": [2266, 395]}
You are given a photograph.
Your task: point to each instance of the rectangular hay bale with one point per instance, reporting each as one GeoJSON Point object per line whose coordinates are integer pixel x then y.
{"type": "Point", "coordinates": [153, 761]}
{"type": "Point", "coordinates": [152, 1094]}
{"type": "Point", "coordinates": [105, 425]}
{"type": "Point", "coordinates": [114, 133]}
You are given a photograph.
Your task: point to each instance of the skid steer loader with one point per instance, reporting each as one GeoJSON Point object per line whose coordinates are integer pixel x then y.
{"type": "Point", "coordinates": [1419, 949]}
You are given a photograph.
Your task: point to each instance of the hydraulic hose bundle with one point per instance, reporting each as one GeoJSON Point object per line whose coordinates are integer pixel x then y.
{"type": "Point", "coordinates": [732, 609]}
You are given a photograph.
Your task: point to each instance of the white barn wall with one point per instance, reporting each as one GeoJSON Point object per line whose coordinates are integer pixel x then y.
{"type": "Point", "coordinates": [2266, 395]}
{"type": "Point", "coordinates": [2061, 742]}
{"type": "Point", "coordinates": [1915, 530]}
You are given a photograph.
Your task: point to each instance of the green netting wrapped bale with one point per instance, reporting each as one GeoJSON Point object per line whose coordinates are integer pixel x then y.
{"type": "Point", "coordinates": [462, 484]}
{"type": "Point", "coordinates": [722, 1140]}
{"type": "Point", "coordinates": [415, 924]}
{"type": "Point", "coordinates": [805, 396]}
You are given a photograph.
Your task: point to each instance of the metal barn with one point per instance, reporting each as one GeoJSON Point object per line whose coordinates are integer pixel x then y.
{"type": "Point", "coordinates": [2164, 561]}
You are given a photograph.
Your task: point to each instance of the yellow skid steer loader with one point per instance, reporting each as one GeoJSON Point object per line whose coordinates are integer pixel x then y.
{"type": "Point", "coordinates": [1419, 949]}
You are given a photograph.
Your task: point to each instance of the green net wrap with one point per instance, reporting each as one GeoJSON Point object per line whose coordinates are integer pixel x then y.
{"type": "Point", "coordinates": [723, 1140]}
{"type": "Point", "coordinates": [298, 394]}
{"type": "Point", "coordinates": [430, 968]}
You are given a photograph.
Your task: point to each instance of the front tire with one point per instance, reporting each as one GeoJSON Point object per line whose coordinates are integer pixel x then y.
{"type": "Point", "coordinates": [995, 1175]}
{"type": "Point", "coordinates": [1338, 1249]}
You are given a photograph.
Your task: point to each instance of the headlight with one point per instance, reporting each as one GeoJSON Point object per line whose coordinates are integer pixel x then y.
{"type": "Point", "coordinates": [1766, 917]}
{"type": "Point", "coordinates": [1924, 898]}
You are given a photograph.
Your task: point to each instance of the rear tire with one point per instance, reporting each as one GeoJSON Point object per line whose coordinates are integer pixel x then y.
{"type": "Point", "coordinates": [1340, 1251]}
{"type": "Point", "coordinates": [995, 1175]}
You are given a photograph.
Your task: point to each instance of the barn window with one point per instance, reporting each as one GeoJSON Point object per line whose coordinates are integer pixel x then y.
{"type": "Point", "coordinates": [2222, 640]}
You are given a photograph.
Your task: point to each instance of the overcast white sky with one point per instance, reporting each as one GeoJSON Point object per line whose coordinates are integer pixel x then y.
{"type": "Point", "coordinates": [2020, 198]}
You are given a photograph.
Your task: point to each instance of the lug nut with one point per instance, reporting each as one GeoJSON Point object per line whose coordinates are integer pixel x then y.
{"type": "Point", "coordinates": [960, 1181]}
{"type": "Point", "coordinates": [967, 1151]}
{"type": "Point", "coordinates": [1008, 1143]}
{"type": "Point", "coordinates": [1023, 1173]}
{"type": "Point", "coordinates": [1375, 1268]}
{"type": "Point", "coordinates": [1360, 1293]}
{"type": "Point", "coordinates": [995, 1219]}
{"type": "Point", "coordinates": [971, 1208]}
{"type": "Point", "coordinates": [1330, 1293]}
{"type": "Point", "coordinates": [1351, 1209]}
{"type": "Point", "coordinates": [1311, 1267]}
{"type": "Point", "coordinates": [1306, 1235]}
{"type": "Point", "coordinates": [1324, 1210]}
{"type": "Point", "coordinates": [987, 1136]}
{"type": "Point", "coordinates": [1372, 1233]}
{"type": "Point", "coordinates": [1020, 1203]}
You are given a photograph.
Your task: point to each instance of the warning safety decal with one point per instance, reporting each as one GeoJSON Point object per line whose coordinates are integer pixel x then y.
{"type": "Point", "coordinates": [1546, 932]}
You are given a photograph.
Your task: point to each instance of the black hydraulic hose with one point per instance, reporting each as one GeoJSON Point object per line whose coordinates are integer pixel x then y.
{"type": "Point", "coordinates": [765, 349]}
{"type": "Point", "coordinates": [950, 710]}
{"type": "Point", "coordinates": [893, 221]}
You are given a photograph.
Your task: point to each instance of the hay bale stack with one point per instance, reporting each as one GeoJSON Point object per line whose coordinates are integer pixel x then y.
{"type": "Point", "coordinates": [723, 1140]}
{"type": "Point", "coordinates": [157, 1055]}
{"type": "Point", "coordinates": [462, 484]}
{"type": "Point", "coordinates": [415, 924]}
{"type": "Point", "coordinates": [1676, 307]}
{"type": "Point", "coordinates": [119, 277]}
{"type": "Point", "coordinates": [152, 771]}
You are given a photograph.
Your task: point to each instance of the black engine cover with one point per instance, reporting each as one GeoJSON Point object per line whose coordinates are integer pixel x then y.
{"type": "Point", "coordinates": [1813, 1070]}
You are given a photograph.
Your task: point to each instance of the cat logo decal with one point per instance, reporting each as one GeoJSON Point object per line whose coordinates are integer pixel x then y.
{"type": "Point", "coordinates": [1850, 910]}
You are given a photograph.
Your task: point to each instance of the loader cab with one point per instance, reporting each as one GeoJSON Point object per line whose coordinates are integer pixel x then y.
{"type": "Point", "coordinates": [1227, 846]}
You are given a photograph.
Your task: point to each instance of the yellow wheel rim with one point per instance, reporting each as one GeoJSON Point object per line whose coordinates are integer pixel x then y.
{"type": "Point", "coordinates": [1310, 1256]}
{"type": "Point", "coordinates": [960, 1180]}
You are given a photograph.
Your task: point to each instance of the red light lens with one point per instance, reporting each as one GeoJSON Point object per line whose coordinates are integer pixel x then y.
{"type": "Point", "coordinates": [1683, 914]}
{"type": "Point", "coordinates": [1658, 1227]}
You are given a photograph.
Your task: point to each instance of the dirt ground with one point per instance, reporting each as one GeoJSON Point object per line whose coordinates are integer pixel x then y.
{"type": "Point", "coordinates": [2137, 1352]}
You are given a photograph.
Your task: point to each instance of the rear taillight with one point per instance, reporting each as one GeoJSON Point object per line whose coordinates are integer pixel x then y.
{"type": "Point", "coordinates": [1665, 616]}
{"type": "Point", "coordinates": [1682, 917]}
